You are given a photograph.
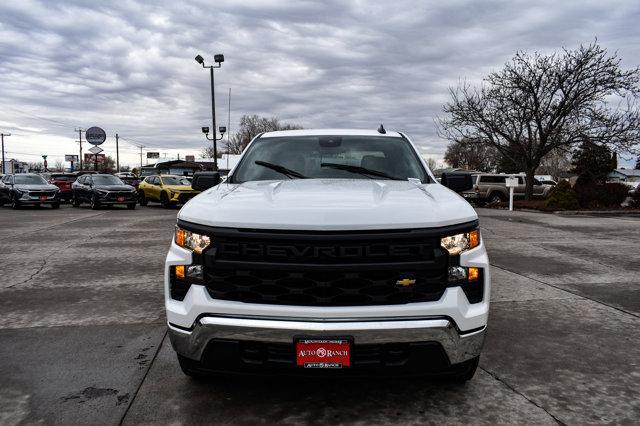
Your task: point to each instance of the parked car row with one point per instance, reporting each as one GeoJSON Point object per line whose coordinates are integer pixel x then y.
{"type": "Point", "coordinates": [95, 189]}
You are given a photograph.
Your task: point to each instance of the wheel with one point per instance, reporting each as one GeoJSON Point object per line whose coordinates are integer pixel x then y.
{"type": "Point", "coordinates": [190, 367]}
{"type": "Point", "coordinates": [131, 206]}
{"type": "Point", "coordinates": [55, 205]}
{"type": "Point", "coordinates": [95, 204]}
{"type": "Point", "coordinates": [164, 200]}
{"type": "Point", "coordinates": [465, 371]}
{"type": "Point", "coordinates": [142, 199]}
{"type": "Point", "coordinates": [15, 204]}
{"type": "Point", "coordinates": [495, 198]}
{"type": "Point", "coordinates": [75, 202]}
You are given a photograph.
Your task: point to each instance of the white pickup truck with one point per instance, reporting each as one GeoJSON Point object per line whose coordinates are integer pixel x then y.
{"type": "Point", "coordinates": [328, 249]}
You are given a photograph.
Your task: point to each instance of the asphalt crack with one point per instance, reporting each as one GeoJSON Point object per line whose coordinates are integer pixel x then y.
{"type": "Point", "coordinates": [149, 365]}
{"type": "Point", "coordinates": [511, 388]}
{"type": "Point", "coordinates": [568, 291]}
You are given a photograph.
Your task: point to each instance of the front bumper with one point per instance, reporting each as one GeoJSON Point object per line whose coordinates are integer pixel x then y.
{"type": "Point", "coordinates": [29, 199]}
{"type": "Point", "coordinates": [458, 347]}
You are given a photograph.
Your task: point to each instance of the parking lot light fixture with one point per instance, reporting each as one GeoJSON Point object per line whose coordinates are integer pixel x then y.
{"type": "Point", "coordinates": [218, 59]}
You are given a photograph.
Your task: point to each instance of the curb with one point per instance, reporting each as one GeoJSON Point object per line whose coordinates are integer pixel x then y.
{"type": "Point", "coordinates": [598, 212]}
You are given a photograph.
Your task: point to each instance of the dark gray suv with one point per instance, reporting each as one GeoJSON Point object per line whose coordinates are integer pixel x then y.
{"type": "Point", "coordinates": [28, 189]}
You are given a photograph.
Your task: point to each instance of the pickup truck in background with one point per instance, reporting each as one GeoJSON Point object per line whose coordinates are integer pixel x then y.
{"type": "Point", "coordinates": [491, 188]}
{"type": "Point", "coordinates": [328, 250]}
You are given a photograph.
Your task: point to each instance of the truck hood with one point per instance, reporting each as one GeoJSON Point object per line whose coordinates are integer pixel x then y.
{"type": "Point", "coordinates": [328, 204]}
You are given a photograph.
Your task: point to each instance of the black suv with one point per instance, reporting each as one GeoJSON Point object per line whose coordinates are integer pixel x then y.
{"type": "Point", "coordinates": [22, 189]}
{"type": "Point", "coordinates": [101, 190]}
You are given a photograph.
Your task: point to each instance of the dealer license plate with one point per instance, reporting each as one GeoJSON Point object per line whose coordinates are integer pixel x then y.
{"type": "Point", "coordinates": [43, 198]}
{"type": "Point", "coordinates": [323, 353]}
{"type": "Point", "coordinates": [120, 199]}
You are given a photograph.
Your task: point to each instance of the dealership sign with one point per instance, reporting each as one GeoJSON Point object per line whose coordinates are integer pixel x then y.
{"type": "Point", "coordinates": [95, 150]}
{"type": "Point", "coordinates": [91, 158]}
{"type": "Point", "coordinates": [95, 135]}
{"type": "Point", "coordinates": [153, 155]}
{"type": "Point", "coordinates": [71, 158]}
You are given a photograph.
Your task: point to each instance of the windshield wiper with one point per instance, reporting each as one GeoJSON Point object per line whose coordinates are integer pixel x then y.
{"type": "Point", "coordinates": [359, 170]}
{"type": "Point", "coordinates": [281, 169]}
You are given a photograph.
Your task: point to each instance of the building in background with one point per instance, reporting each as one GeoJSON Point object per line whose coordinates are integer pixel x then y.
{"type": "Point", "coordinates": [15, 166]}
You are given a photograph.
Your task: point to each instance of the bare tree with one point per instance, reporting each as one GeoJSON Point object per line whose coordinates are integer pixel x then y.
{"type": "Point", "coordinates": [250, 126]}
{"type": "Point", "coordinates": [471, 155]}
{"type": "Point", "coordinates": [538, 103]}
{"type": "Point", "coordinates": [555, 163]}
{"type": "Point", "coordinates": [59, 166]}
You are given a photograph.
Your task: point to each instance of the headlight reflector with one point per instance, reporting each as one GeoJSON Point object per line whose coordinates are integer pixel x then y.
{"type": "Point", "coordinates": [459, 243]}
{"type": "Point", "coordinates": [191, 241]}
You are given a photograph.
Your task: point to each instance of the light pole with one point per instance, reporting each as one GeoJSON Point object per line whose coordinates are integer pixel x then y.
{"type": "Point", "coordinates": [218, 59]}
{"type": "Point", "coordinates": [2, 135]}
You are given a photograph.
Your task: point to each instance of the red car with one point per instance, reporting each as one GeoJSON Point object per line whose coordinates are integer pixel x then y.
{"type": "Point", "coordinates": [133, 181]}
{"type": "Point", "coordinates": [63, 181]}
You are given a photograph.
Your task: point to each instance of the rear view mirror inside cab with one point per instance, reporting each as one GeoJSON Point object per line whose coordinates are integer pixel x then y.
{"type": "Point", "coordinates": [330, 141]}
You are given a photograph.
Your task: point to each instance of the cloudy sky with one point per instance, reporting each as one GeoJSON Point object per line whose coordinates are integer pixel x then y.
{"type": "Point", "coordinates": [128, 66]}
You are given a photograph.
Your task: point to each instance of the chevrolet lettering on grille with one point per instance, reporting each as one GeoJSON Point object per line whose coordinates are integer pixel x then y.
{"type": "Point", "coordinates": [323, 251]}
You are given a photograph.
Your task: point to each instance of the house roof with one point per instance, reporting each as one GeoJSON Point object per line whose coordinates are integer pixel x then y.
{"type": "Point", "coordinates": [628, 172]}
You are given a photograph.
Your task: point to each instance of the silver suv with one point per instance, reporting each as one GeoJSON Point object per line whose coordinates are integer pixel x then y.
{"type": "Point", "coordinates": [491, 188]}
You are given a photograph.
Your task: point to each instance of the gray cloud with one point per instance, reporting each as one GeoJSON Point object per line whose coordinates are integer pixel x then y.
{"type": "Point", "coordinates": [128, 66]}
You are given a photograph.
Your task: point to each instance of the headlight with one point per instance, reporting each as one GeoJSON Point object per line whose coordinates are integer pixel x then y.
{"type": "Point", "coordinates": [191, 241]}
{"type": "Point", "coordinates": [459, 243]}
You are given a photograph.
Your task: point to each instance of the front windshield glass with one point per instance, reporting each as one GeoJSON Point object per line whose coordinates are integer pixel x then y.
{"type": "Point", "coordinates": [106, 180]}
{"type": "Point", "coordinates": [172, 180]}
{"type": "Point", "coordinates": [29, 180]}
{"type": "Point", "coordinates": [330, 157]}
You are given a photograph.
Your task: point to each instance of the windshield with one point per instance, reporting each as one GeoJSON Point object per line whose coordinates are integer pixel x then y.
{"type": "Point", "coordinates": [29, 180]}
{"type": "Point", "coordinates": [106, 180]}
{"type": "Point", "coordinates": [170, 180]}
{"type": "Point", "coordinates": [330, 157]}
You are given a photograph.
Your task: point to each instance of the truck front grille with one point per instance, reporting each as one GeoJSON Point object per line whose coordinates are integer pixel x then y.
{"type": "Point", "coordinates": [325, 268]}
{"type": "Point", "coordinates": [325, 288]}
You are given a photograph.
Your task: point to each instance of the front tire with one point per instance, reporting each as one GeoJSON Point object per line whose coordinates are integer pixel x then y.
{"type": "Point", "coordinates": [495, 198]}
{"type": "Point", "coordinates": [465, 370]}
{"type": "Point", "coordinates": [15, 204]}
{"type": "Point", "coordinates": [142, 199]}
{"type": "Point", "coordinates": [191, 367]}
{"type": "Point", "coordinates": [75, 202]}
{"type": "Point", "coordinates": [95, 204]}
{"type": "Point", "coordinates": [164, 200]}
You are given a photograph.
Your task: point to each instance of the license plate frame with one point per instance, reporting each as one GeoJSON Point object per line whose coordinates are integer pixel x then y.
{"type": "Point", "coordinates": [120, 199]}
{"type": "Point", "coordinates": [320, 350]}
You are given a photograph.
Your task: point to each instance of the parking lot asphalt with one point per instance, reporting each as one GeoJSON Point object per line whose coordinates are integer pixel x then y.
{"type": "Point", "coordinates": [82, 331]}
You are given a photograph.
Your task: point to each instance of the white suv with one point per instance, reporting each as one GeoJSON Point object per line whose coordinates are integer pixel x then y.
{"type": "Point", "coordinates": [328, 249]}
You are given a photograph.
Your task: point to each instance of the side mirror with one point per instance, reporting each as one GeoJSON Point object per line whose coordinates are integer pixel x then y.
{"type": "Point", "coordinates": [205, 180]}
{"type": "Point", "coordinates": [457, 181]}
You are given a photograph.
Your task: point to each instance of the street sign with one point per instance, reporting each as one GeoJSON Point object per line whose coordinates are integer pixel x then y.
{"type": "Point", "coordinates": [95, 135]}
{"type": "Point", "coordinates": [153, 155]}
{"type": "Point", "coordinates": [95, 150]}
{"type": "Point", "coordinates": [72, 158]}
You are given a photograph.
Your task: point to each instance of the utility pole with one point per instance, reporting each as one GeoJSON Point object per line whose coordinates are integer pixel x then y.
{"type": "Point", "coordinates": [2, 135]}
{"type": "Point", "coordinates": [141, 158]}
{"type": "Point", "coordinates": [79, 130]}
{"type": "Point", "coordinates": [228, 127]}
{"type": "Point", "coordinates": [117, 156]}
